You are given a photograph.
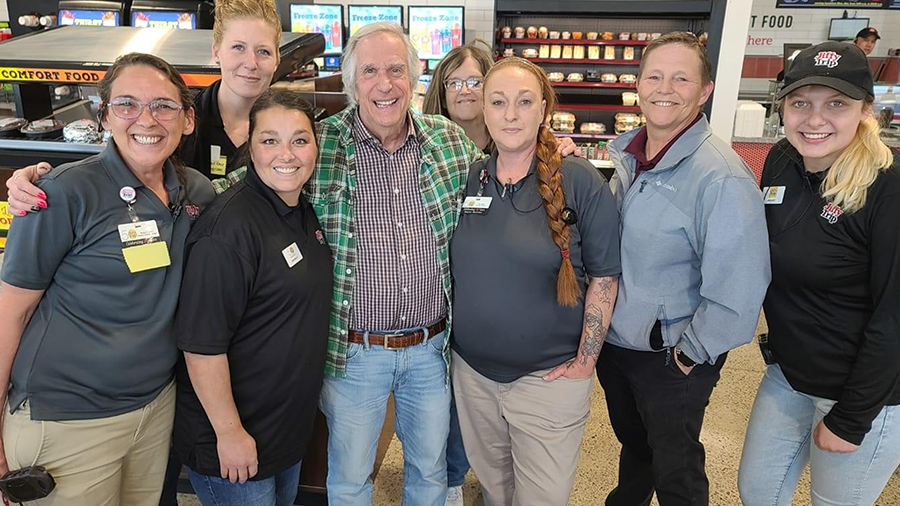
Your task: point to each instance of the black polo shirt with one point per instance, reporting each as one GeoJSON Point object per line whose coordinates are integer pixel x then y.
{"type": "Point", "coordinates": [209, 136]}
{"type": "Point", "coordinates": [241, 297]}
{"type": "Point", "coordinates": [835, 294]}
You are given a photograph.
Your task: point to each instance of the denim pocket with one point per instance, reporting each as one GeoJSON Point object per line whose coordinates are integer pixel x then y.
{"type": "Point", "coordinates": [437, 343]}
{"type": "Point", "coordinates": [353, 350]}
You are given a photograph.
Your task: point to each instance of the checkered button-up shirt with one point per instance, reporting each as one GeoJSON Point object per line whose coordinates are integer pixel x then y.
{"type": "Point", "coordinates": [445, 154]}
{"type": "Point", "coordinates": [398, 278]}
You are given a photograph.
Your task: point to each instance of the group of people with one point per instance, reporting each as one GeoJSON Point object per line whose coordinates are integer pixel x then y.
{"type": "Point", "coordinates": [459, 260]}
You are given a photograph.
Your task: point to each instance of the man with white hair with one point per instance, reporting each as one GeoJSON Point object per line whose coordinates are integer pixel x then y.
{"type": "Point", "coordinates": [386, 191]}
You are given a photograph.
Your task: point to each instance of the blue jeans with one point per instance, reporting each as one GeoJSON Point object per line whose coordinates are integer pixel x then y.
{"type": "Point", "coordinates": [355, 405]}
{"type": "Point", "coordinates": [779, 444]}
{"type": "Point", "coordinates": [457, 463]}
{"type": "Point", "coordinates": [278, 490]}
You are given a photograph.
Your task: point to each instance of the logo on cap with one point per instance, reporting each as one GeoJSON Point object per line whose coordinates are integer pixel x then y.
{"type": "Point", "coordinates": [827, 59]}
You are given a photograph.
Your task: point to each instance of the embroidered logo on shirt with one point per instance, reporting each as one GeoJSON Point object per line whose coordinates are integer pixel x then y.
{"type": "Point", "coordinates": [827, 59]}
{"type": "Point", "coordinates": [666, 186]}
{"type": "Point", "coordinates": [831, 213]}
{"type": "Point", "coordinates": [193, 211]}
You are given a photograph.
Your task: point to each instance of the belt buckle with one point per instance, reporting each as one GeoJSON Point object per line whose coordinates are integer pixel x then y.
{"type": "Point", "coordinates": [387, 346]}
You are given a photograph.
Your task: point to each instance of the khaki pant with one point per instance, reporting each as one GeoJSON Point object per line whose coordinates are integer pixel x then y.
{"type": "Point", "coordinates": [119, 460]}
{"type": "Point", "coordinates": [523, 439]}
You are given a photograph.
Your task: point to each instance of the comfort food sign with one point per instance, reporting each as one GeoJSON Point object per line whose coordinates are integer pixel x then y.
{"type": "Point", "coordinates": [49, 75]}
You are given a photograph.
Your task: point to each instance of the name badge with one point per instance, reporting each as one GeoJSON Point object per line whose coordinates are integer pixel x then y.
{"type": "Point", "coordinates": [147, 256]}
{"type": "Point", "coordinates": [476, 205]}
{"type": "Point", "coordinates": [141, 232]}
{"type": "Point", "coordinates": [773, 194]}
{"type": "Point", "coordinates": [217, 162]}
{"type": "Point", "coordinates": [292, 255]}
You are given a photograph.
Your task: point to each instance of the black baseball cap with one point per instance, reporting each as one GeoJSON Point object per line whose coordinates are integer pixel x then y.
{"type": "Point", "coordinates": [837, 65]}
{"type": "Point", "coordinates": [868, 32]}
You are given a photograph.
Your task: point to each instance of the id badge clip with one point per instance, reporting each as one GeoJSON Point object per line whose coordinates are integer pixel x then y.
{"type": "Point", "coordinates": [478, 204]}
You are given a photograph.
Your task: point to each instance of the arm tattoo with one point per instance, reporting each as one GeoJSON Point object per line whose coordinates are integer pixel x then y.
{"type": "Point", "coordinates": [595, 333]}
{"type": "Point", "coordinates": [605, 290]}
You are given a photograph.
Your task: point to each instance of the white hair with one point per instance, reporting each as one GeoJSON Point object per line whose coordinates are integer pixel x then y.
{"type": "Point", "coordinates": [348, 65]}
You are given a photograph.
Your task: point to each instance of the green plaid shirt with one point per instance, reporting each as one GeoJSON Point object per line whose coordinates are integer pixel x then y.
{"type": "Point", "coordinates": [446, 156]}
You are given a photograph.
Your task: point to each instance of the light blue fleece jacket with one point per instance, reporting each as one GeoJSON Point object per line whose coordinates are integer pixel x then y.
{"type": "Point", "coordinates": [695, 248]}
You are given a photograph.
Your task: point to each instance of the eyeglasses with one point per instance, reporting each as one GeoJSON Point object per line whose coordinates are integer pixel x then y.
{"type": "Point", "coordinates": [473, 83]}
{"type": "Point", "coordinates": [162, 109]}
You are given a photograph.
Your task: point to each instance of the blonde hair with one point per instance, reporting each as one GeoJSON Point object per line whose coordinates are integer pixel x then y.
{"type": "Point", "coordinates": [550, 186]}
{"type": "Point", "coordinates": [226, 11]}
{"type": "Point", "coordinates": [435, 101]}
{"type": "Point", "coordinates": [847, 183]}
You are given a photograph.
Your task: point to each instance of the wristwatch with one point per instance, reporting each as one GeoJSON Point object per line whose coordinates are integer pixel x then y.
{"type": "Point", "coordinates": [684, 359]}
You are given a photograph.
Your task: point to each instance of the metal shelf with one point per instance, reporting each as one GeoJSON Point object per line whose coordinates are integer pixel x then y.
{"type": "Point", "coordinates": [590, 107]}
{"type": "Point", "coordinates": [578, 42]}
{"type": "Point", "coordinates": [595, 85]}
{"type": "Point", "coordinates": [581, 60]}
{"type": "Point", "coordinates": [585, 136]}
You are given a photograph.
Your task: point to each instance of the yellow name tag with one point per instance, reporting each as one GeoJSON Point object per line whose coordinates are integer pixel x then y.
{"type": "Point", "coordinates": [217, 162]}
{"type": "Point", "coordinates": [218, 167]}
{"type": "Point", "coordinates": [147, 256]}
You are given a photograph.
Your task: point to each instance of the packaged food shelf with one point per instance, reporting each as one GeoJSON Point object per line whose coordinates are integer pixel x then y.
{"type": "Point", "coordinates": [577, 42]}
{"type": "Point", "coordinates": [600, 99]}
{"type": "Point", "coordinates": [599, 107]}
{"type": "Point", "coordinates": [585, 60]}
{"type": "Point", "coordinates": [577, 135]}
{"type": "Point", "coordinates": [585, 84]}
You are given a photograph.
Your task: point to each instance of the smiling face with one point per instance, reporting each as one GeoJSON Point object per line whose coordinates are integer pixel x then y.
{"type": "Point", "coordinates": [466, 104]}
{"type": "Point", "coordinates": [283, 150]}
{"type": "Point", "coordinates": [382, 83]}
{"type": "Point", "coordinates": [821, 122]}
{"type": "Point", "coordinates": [514, 109]}
{"type": "Point", "coordinates": [248, 55]}
{"type": "Point", "coordinates": [671, 88]}
{"type": "Point", "coordinates": [145, 143]}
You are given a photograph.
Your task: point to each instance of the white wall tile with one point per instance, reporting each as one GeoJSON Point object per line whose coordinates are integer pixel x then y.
{"type": "Point", "coordinates": [812, 25]}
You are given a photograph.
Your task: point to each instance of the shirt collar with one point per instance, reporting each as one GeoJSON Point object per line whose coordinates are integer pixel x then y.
{"type": "Point", "coordinates": [492, 168]}
{"type": "Point", "coordinates": [256, 183]}
{"type": "Point", "coordinates": [638, 145]}
{"type": "Point", "coordinates": [362, 134]}
{"type": "Point", "coordinates": [122, 176]}
{"type": "Point", "coordinates": [210, 97]}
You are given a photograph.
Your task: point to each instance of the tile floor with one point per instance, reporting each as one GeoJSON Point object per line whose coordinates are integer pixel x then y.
{"type": "Point", "coordinates": [723, 435]}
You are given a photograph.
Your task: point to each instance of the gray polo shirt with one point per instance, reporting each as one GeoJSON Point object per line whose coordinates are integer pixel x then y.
{"type": "Point", "coordinates": [100, 342]}
{"type": "Point", "coordinates": [507, 321]}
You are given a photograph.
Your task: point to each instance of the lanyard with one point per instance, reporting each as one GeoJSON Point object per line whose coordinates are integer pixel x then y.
{"type": "Point", "coordinates": [482, 180]}
{"type": "Point", "coordinates": [129, 196]}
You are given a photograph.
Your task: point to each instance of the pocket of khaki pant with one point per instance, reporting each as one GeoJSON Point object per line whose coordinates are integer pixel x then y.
{"type": "Point", "coordinates": [23, 438]}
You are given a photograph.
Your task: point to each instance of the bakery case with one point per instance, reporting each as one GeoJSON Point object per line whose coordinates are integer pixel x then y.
{"type": "Point", "coordinates": [591, 50]}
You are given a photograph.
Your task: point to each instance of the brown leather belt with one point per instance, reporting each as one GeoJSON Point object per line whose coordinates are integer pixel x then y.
{"type": "Point", "coordinates": [400, 339]}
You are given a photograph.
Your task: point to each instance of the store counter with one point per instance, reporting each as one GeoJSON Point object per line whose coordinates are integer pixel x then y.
{"type": "Point", "coordinates": [755, 149]}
